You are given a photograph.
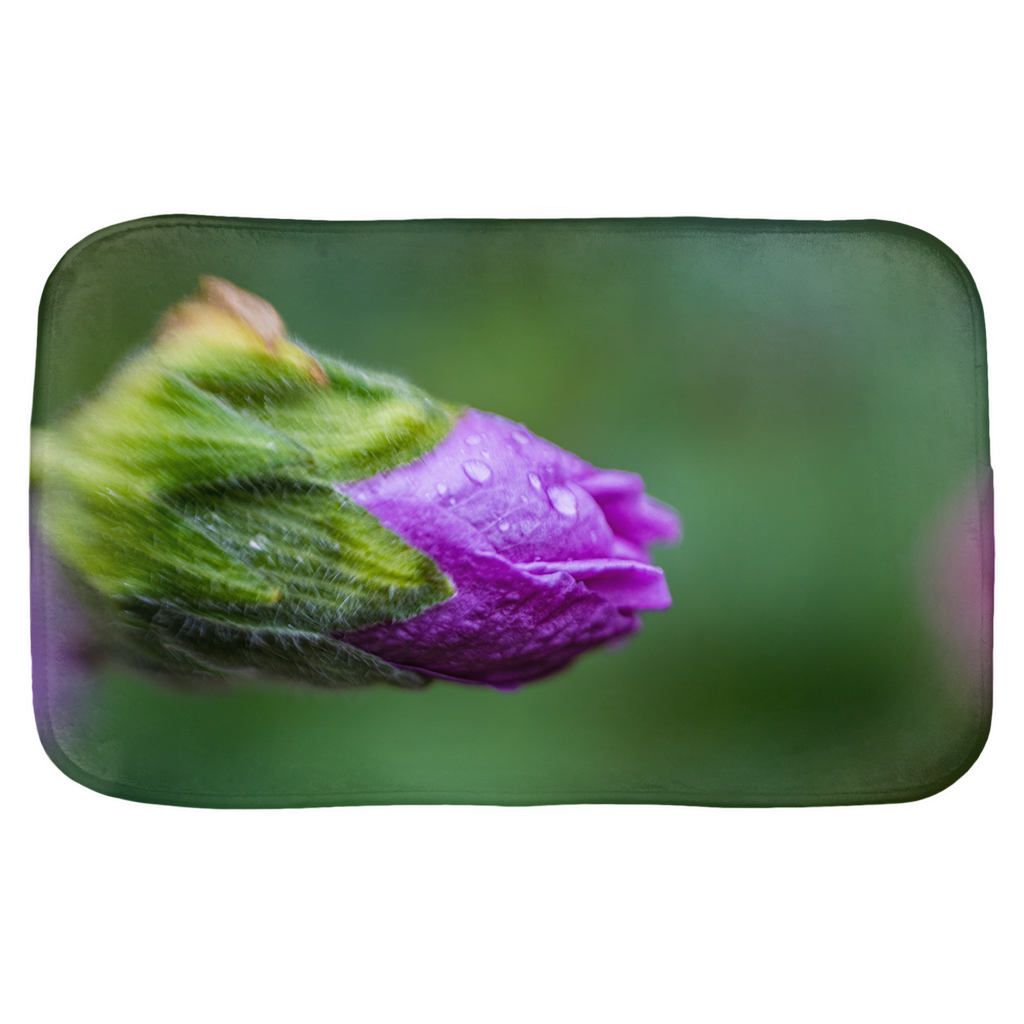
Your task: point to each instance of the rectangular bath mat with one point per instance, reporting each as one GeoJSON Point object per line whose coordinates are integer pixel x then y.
{"type": "Point", "coordinates": [348, 513]}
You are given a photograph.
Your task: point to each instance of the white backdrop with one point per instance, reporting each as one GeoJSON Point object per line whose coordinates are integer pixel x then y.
{"type": "Point", "coordinates": [898, 110]}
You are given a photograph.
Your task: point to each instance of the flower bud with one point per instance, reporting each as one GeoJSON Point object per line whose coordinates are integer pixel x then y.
{"type": "Point", "coordinates": [231, 504]}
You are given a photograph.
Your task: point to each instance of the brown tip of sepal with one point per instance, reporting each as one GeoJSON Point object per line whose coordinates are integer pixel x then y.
{"type": "Point", "coordinates": [220, 304]}
{"type": "Point", "coordinates": [253, 311]}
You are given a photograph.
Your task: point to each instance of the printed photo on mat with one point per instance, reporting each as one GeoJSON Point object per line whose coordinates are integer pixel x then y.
{"type": "Point", "coordinates": [392, 512]}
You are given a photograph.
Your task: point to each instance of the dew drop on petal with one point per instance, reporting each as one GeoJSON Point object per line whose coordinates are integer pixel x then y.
{"type": "Point", "coordinates": [563, 500]}
{"type": "Point", "coordinates": [442, 488]}
{"type": "Point", "coordinates": [534, 481]}
{"type": "Point", "coordinates": [503, 527]}
{"type": "Point", "coordinates": [473, 439]}
{"type": "Point", "coordinates": [520, 437]}
{"type": "Point", "coordinates": [478, 471]}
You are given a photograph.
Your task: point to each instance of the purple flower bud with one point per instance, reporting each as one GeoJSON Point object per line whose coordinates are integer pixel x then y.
{"type": "Point", "coordinates": [548, 555]}
{"type": "Point", "coordinates": [216, 506]}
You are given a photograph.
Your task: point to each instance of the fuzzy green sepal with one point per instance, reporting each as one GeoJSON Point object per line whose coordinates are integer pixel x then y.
{"type": "Point", "coordinates": [193, 497]}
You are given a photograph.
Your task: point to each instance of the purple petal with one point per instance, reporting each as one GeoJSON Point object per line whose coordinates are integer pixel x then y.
{"type": "Point", "coordinates": [504, 624]}
{"type": "Point", "coordinates": [623, 583]}
{"type": "Point", "coordinates": [548, 555]}
{"type": "Point", "coordinates": [632, 515]}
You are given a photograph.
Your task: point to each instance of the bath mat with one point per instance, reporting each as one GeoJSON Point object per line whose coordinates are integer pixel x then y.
{"type": "Point", "coordinates": [677, 511]}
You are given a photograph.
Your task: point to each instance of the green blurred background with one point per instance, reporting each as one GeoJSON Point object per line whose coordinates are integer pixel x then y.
{"type": "Point", "coordinates": [811, 399]}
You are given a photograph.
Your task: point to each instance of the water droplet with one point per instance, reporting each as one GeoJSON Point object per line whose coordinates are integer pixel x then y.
{"type": "Point", "coordinates": [478, 471]}
{"type": "Point", "coordinates": [563, 500]}
{"type": "Point", "coordinates": [503, 527]}
{"type": "Point", "coordinates": [535, 481]}
{"type": "Point", "coordinates": [442, 488]}
{"type": "Point", "coordinates": [520, 437]}
{"type": "Point", "coordinates": [473, 439]}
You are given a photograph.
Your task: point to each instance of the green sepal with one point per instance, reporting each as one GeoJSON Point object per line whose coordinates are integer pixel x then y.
{"type": "Point", "coordinates": [361, 424]}
{"type": "Point", "coordinates": [333, 564]}
{"type": "Point", "coordinates": [127, 546]}
{"type": "Point", "coordinates": [194, 497]}
{"type": "Point", "coordinates": [167, 639]}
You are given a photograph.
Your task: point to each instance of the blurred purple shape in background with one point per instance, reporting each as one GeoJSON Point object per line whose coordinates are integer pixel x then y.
{"type": "Point", "coordinates": [959, 579]}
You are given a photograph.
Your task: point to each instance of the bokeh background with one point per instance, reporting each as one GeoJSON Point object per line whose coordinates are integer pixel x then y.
{"type": "Point", "coordinates": [810, 397]}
